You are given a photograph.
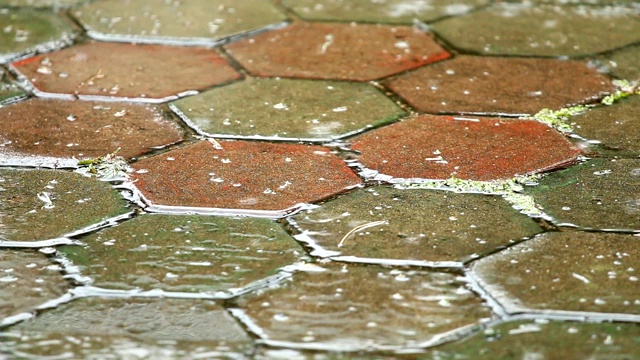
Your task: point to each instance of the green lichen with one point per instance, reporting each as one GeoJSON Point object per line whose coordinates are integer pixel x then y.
{"type": "Point", "coordinates": [625, 89]}
{"type": "Point", "coordinates": [558, 119]}
{"type": "Point", "coordinates": [109, 167]}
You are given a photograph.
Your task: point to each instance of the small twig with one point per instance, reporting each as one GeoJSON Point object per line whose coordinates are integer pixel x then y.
{"type": "Point", "coordinates": [362, 227]}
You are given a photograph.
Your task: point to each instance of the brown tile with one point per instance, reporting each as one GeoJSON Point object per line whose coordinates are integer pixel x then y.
{"type": "Point", "coordinates": [337, 51]}
{"type": "Point", "coordinates": [438, 147]}
{"type": "Point", "coordinates": [242, 175]}
{"type": "Point", "coordinates": [487, 85]}
{"type": "Point", "coordinates": [84, 129]}
{"type": "Point", "coordinates": [106, 71]}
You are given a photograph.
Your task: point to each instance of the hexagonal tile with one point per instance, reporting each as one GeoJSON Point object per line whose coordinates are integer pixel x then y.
{"type": "Point", "coordinates": [599, 193]}
{"type": "Point", "coordinates": [612, 130]}
{"type": "Point", "coordinates": [28, 281]}
{"type": "Point", "coordinates": [438, 147]}
{"type": "Point", "coordinates": [9, 91]}
{"type": "Point", "coordinates": [243, 175]}
{"type": "Point", "coordinates": [175, 253]}
{"type": "Point", "coordinates": [486, 85]}
{"type": "Point", "coordinates": [61, 130]}
{"type": "Point", "coordinates": [159, 21]}
{"type": "Point", "coordinates": [45, 204]}
{"type": "Point", "coordinates": [337, 51]}
{"type": "Point", "coordinates": [566, 271]}
{"type": "Point", "coordinates": [546, 340]}
{"type": "Point", "coordinates": [29, 31]}
{"type": "Point", "coordinates": [387, 11]}
{"type": "Point", "coordinates": [95, 328]}
{"type": "Point", "coordinates": [623, 63]}
{"type": "Point", "coordinates": [282, 109]}
{"type": "Point", "coordinates": [356, 308]}
{"type": "Point", "coordinates": [421, 227]}
{"type": "Point", "coordinates": [91, 72]}
{"type": "Point", "coordinates": [544, 30]}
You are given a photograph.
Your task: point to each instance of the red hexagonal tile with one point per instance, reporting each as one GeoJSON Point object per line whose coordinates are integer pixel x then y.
{"type": "Point", "coordinates": [486, 85]}
{"type": "Point", "coordinates": [242, 175]}
{"type": "Point", "coordinates": [337, 51]}
{"type": "Point", "coordinates": [62, 129]}
{"type": "Point", "coordinates": [148, 73]}
{"type": "Point", "coordinates": [438, 147]}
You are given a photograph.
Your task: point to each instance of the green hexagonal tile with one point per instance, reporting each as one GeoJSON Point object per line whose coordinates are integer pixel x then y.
{"type": "Point", "coordinates": [26, 31]}
{"type": "Point", "coordinates": [46, 204]}
{"type": "Point", "coordinates": [283, 109]}
{"type": "Point", "coordinates": [56, 4]}
{"type": "Point", "coordinates": [623, 63]}
{"type": "Point", "coordinates": [543, 30]}
{"type": "Point", "coordinates": [9, 91]}
{"type": "Point", "coordinates": [185, 253]}
{"type": "Point", "coordinates": [194, 22]}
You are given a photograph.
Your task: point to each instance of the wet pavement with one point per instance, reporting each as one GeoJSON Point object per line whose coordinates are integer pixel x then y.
{"type": "Point", "coordinates": [326, 179]}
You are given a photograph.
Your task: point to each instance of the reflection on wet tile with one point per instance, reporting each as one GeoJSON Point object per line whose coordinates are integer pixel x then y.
{"type": "Point", "coordinates": [27, 280]}
{"type": "Point", "coordinates": [547, 340]}
{"type": "Point", "coordinates": [28, 31]}
{"type": "Point", "coordinates": [526, 29]}
{"type": "Point", "coordinates": [490, 85]}
{"type": "Point", "coordinates": [287, 109]}
{"type": "Point", "coordinates": [337, 51]}
{"type": "Point", "coordinates": [422, 225]}
{"type": "Point", "coordinates": [599, 193]}
{"type": "Point", "coordinates": [438, 147]}
{"type": "Point", "coordinates": [615, 128]}
{"type": "Point", "coordinates": [354, 307]}
{"type": "Point", "coordinates": [242, 175]}
{"type": "Point", "coordinates": [91, 72]}
{"type": "Point", "coordinates": [570, 271]}
{"type": "Point", "coordinates": [185, 253]}
{"type": "Point", "coordinates": [45, 204]}
{"type": "Point", "coordinates": [388, 11]}
{"type": "Point", "coordinates": [82, 129]}
{"type": "Point", "coordinates": [160, 21]}
{"type": "Point", "coordinates": [129, 329]}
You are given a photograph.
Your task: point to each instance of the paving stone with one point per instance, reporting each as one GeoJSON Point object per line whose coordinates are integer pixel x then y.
{"type": "Point", "coordinates": [82, 129]}
{"type": "Point", "coordinates": [438, 147]}
{"type": "Point", "coordinates": [337, 51]}
{"type": "Point", "coordinates": [423, 226]}
{"type": "Point", "coordinates": [159, 21]}
{"type": "Point", "coordinates": [547, 340]}
{"type": "Point", "coordinates": [178, 253]}
{"type": "Point", "coordinates": [129, 329]}
{"type": "Point", "coordinates": [28, 281]}
{"type": "Point", "coordinates": [599, 193]}
{"type": "Point", "coordinates": [386, 11]}
{"type": "Point", "coordinates": [243, 175]}
{"type": "Point", "coordinates": [570, 271]}
{"type": "Point", "coordinates": [617, 128]}
{"type": "Point", "coordinates": [282, 109]}
{"type": "Point", "coordinates": [623, 63]}
{"type": "Point", "coordinates": [355, 307]}
{"type": "Point", "coordinates": [45, 204]}
{"type": "Point", "coordinates": [9, 91]}
{"type": "Point", "coordinates": [543, 30]}
{"type": "Point", "coordinates": [488, 85]}
{"type": "Point", "coordinates": [29, 31]}
{"type": "Point", "coordinates": [90, 71]}
{"type": "Point", "coordinates": [41, 3]}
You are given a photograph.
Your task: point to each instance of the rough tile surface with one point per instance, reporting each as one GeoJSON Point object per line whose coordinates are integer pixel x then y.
{"type": "Point", "coordinates": [438, 147]}
{"type": "Point", "coordinates": [569, 271]}
{"type": "Point", "coordinates": [178, 253]}
{"type": "Point", "coordinates": [623, 63]}
{"type": "Point", "coordinates": [421, 225]}
{"type": "Point", "coordinates": [91, 71]}
{"type": "Point", "coordinates": [386, 11]}
{"type": "Point", "coordinates": [491, 85]}
{"type": "Point", "coordinates": [82, 129]}
{"type": "Point", "coordinates": [599, 193]}
{"type": "Point", "coordinates": [283, 109]}
{"type": "Point", "coordinates": [336, 51]}
{"type": "Point", "coordinates": [160, 21]}
{"type": "Point", "coordinates": [544, 30]}
{"type": "Point", "coordinates": [46, 204]}
{"type": "Point", "coordinates": [243, 175]}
